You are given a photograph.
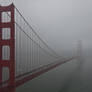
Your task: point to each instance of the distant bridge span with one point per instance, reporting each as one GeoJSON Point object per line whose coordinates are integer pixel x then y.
{"type": "Point", "coordinates": [22, 51]}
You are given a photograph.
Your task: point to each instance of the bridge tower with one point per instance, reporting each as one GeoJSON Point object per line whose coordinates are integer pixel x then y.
{"type": "Point", "coordinates": [10, 63]}
{"type": "Point", "coordinates": [79, 53]}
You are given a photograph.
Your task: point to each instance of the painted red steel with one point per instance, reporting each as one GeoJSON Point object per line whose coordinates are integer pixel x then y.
{"type": "Point", "coordinates": [11, 43]}
{"type": "Point", "coordinates": [41, 71]}
{"type": "Point", "coordinates": [13, 81]}
{"type": "Point", "coordinates": [20, 80]}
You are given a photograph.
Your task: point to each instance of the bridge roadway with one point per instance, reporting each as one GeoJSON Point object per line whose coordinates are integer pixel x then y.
{"type": "Point", "coordinates": [66, 78]}
{"type": "Point", "coordinates": [35, 73]}
{"type": "Point", "coordinates": [51, 81]}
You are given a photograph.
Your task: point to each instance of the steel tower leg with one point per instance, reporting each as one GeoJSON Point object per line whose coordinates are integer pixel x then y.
{"type": "Point", "coordinates": [10, 64]}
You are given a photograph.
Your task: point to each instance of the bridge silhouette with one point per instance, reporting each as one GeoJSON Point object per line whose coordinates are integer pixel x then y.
{"type": "Point", "coordinates": [23, 54]}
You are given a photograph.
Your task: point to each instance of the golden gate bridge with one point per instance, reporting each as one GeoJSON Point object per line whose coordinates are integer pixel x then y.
{"type": "Point", "coordinates": [22, 52]}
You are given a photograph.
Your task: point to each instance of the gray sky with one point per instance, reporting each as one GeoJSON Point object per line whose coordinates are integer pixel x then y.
{"type": "Point", "coordinates": [61, 23]}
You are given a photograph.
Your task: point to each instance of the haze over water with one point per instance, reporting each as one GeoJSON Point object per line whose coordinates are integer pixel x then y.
{"type": "Point", "coordinates": [61, 23]}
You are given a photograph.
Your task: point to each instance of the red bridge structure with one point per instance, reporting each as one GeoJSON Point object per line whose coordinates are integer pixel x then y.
{"type": "Point", "coordinates": [23, 54]}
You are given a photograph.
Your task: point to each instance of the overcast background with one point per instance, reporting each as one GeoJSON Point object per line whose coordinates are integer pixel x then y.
{"type": "Point", "coordinates": [61, 23]}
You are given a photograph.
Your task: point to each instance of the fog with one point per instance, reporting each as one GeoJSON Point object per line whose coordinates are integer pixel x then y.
{"type": "Point", "coordinates": [61, 24]}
